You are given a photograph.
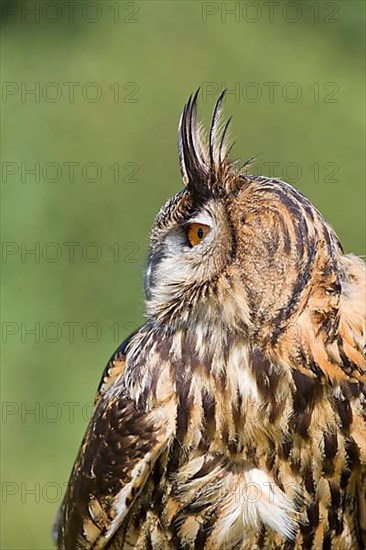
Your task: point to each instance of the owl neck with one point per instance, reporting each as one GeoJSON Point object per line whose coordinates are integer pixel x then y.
{"type": "Point", "coordinates": [162, 362]}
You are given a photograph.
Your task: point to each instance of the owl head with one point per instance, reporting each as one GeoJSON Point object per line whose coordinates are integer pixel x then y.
{"type": "Point", "coordinates": [233, 251]}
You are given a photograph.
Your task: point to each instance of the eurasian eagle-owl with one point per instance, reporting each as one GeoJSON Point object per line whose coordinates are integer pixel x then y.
{"type": "Point", "coordinates": [235, 417]}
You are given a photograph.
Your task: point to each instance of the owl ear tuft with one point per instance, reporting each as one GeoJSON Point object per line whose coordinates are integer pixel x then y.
{"type": "Point", "coordinates": [192, 158]}
{"type": "Point", "coordinates": [217, 142]}
{"type": "Point", "coordinates": [203, 166]}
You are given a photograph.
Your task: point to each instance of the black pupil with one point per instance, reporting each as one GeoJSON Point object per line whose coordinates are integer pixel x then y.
{"type": "Point", "coordinates": [200, 233]}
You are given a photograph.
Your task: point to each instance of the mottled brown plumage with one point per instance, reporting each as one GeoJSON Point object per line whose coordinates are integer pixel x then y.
{"type": "Point", "coordinates": [236, 416]}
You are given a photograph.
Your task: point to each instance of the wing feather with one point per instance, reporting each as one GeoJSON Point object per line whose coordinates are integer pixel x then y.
{"type": "Point", "coordinates": [118, 452]}
{"type": "Point", "coordinates": [115, 367]}
{"type": "Point", "coordinates": [362, 506]}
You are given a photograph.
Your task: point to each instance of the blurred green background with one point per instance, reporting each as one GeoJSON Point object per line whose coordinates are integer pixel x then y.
{"type": "Point", "coordinates": [109, 81]}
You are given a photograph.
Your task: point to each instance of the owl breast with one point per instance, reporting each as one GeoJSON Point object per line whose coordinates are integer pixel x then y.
{"type": "Point", "coordinates": [239, 471]}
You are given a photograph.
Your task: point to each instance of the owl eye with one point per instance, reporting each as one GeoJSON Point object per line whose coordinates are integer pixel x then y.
{"type": "Point", "coordinates": [196, 232]}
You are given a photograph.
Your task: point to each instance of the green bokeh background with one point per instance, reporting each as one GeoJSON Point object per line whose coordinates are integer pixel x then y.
{"type": "Point", "coordinates": [167, 52]}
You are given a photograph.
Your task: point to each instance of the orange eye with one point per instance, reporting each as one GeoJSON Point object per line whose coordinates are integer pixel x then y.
{"type": "Point", "coordinates": [196, 232]}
